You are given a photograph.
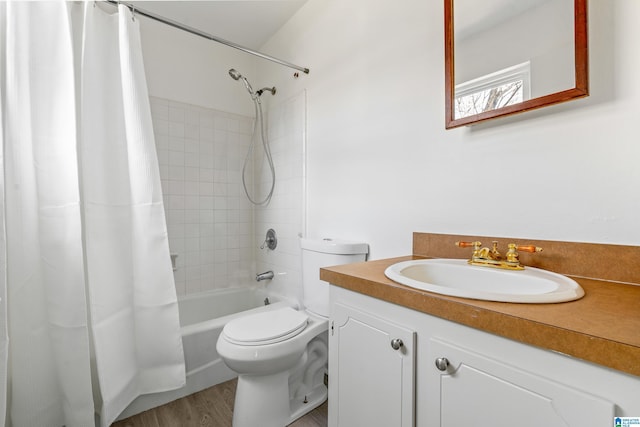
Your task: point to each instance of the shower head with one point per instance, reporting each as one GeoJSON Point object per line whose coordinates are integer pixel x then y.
{"type": "Point", "coordinates": [234, 74]}
{"type": "Point", "coordinates": [237, 76]}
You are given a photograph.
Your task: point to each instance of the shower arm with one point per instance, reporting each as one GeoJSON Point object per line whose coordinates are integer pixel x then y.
{"type": "Point", "coordinates": [267, 89]}
{"type": "Point", "coordinates": [195, 31]}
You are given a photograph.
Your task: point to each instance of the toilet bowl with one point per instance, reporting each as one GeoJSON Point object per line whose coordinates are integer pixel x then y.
{"type": "Point", "coordinates": [281, 355]}
{"type": "Point", "coordinates": [264, 363]}
{"type": "Point", "coordinates": [259, 348]}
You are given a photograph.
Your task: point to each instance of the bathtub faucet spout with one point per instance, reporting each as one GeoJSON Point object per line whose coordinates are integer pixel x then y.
{"type": "Point", "coordinates": [267, 275]}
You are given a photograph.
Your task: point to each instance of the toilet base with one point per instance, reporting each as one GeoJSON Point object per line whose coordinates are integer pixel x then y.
{"type": "Point", "coordinates": [279, 399]}
{"type": "Point", "coordinates": [299, 408]}
{"type": "Point", "coordinates": [264, 401]}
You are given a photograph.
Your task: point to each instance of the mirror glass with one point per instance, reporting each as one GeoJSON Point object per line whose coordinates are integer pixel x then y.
{"type": "Point", "coordinates": [507, 56]}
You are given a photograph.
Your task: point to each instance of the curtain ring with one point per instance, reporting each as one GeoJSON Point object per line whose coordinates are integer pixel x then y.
{"type": "Point", "coordinates": [133, 13]}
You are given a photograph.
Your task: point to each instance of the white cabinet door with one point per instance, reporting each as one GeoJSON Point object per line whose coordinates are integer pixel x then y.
{"type": "Point", "coordinates": [371, 371]}
{"type": "Point", "coordinates": [475, 390]}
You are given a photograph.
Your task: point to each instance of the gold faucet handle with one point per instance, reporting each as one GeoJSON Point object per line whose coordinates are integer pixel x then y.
{"type": "Point", "coordinates": [476, 247]}
{"type": "Point", "coordinates": [468, 244]}
{"type": "Point", "coordinates": [528, 248]}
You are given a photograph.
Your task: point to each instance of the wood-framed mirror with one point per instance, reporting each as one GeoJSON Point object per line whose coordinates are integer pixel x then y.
{"type": "Point", "coordinates": [504, 57]}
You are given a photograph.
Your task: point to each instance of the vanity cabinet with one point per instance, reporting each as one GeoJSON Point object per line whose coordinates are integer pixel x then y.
{"type": "Point", "coordinates": [486, 380]}
{"type": "Point", "coordinates": [372, 373]}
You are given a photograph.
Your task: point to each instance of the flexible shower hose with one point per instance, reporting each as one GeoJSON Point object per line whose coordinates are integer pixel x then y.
{"type": "Point", "coordinates": [259, 122]}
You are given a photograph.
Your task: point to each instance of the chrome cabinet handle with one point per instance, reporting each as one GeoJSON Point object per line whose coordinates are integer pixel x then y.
{"type": "Point", "coordinates": [396, 343]}
{"type": "Point", "coordinates": [442, 363]}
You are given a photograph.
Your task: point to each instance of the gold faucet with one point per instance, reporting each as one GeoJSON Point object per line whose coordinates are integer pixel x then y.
{"type": "Point", "coordinates": [493, 258]}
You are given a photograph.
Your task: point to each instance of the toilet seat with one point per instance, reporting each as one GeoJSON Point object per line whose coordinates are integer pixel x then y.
{"type": "Point", "coordinates": [268, 327]}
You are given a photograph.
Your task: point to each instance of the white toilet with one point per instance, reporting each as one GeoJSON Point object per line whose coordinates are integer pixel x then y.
{"type": "Point", "coordinates": [281, 355]}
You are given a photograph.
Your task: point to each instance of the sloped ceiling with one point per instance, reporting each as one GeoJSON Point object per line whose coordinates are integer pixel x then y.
{"type": "Point", "coordinates": [249, 23]}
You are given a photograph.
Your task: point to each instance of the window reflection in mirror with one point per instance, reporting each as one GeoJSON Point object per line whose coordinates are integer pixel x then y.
{"type": "Point", "coordinates": [496, 90]}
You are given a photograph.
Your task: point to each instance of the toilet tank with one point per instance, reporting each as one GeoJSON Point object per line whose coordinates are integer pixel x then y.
{"type": "Point", "coordinates": [325, 253]}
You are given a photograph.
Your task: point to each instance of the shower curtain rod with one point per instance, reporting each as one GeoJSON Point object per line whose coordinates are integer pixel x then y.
{"type": "Point", "coordinates": [195, 31]}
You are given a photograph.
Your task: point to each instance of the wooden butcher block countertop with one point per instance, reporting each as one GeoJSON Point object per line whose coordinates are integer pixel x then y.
{"type": "Point", "coordinates": [603, 327]}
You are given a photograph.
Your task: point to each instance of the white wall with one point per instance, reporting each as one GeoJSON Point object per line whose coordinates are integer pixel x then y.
{"type": "Point", "coordinates": [186, 68]}
{"type": "Point", "coordinates": [380, 164]}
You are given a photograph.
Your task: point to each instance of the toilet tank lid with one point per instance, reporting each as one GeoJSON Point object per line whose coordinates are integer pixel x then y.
{"type": "Point", "coordinates": [334, 246]}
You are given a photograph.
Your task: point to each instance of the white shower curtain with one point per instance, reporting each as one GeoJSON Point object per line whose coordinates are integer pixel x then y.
{"type": "Point", "coordinates": [90, 300]}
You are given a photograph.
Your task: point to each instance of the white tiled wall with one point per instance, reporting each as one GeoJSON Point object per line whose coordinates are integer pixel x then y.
{"type": "Point", "coordinates": [285, 212]}
{"type": "Point", "coordinates": [215, 231]}
{"type": "Point", "coordinates": [209, 220]}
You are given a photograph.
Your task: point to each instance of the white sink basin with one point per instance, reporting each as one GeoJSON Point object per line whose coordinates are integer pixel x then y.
{"type": "Point", "coordinates": [457, 278]}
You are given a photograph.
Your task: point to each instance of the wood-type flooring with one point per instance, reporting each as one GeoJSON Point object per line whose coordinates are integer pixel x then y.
{"type": "Point", "coordinates": [212, 407]}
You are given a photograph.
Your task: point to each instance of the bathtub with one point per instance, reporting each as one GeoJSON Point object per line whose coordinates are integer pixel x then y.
{"type": "Point", "coordinates": [202, 317]}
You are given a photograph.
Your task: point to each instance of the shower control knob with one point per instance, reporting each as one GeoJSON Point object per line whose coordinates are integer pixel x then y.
{"type": "Point", "coordinates": [396, 343]}
{"type": "Point", "coordinates": [270, 241]}
{"type": "Point", "coordinates": [442, 363]}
